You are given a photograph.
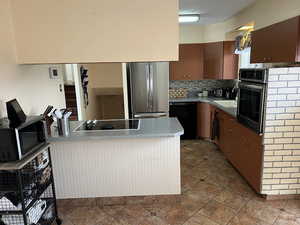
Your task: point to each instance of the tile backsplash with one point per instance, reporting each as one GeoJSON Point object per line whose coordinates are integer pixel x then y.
{"type": "Point", "coordinates": [194, 87]}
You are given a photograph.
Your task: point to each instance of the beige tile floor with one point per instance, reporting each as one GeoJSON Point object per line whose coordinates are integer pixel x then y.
{"type": "Point", "coordinates": [213, 193]}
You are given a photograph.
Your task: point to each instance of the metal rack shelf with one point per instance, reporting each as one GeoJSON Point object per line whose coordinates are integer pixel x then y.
{"type": "Point", "coordinates": [27, 192]}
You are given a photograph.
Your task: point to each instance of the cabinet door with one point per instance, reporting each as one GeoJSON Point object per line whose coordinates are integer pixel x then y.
{"type": "Point", "coordinates": [204, 120]}
{"type": "Point", "coordinates": [276, 43]}
{"type": "Point", "coordinates": [251, 155]}
{"type": "Point", "coordinates": [190, 64]}
{"type": "Point", "coordinates": [231, 60]}
{"type": "Point", "coordinates": [245, 152]}
{"type": "Point", "coordinates": [213, 112]}
{"type": "Point", "coordinates": [227, 140]}
{"type": "Point", "coordinates": [222, 132]}
{"type": "Point", "coordinates": [213, 60]}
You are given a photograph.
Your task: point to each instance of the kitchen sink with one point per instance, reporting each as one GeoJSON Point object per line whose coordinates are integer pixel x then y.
{"type": "Point", "coordinates": [226, 103]}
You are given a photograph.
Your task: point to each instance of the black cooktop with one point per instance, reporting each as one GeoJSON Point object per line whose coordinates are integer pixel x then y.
{"type": "Point", "coordinates": [95, 125]}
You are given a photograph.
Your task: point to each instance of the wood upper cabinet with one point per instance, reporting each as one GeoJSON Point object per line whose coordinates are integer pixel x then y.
{"type": "Point", "coordinates": [90, 31]}
{"type": "Point", "coordinates": [277, 43]}
{"type": "Point", "coordinates": [220, 62]}
{"type": "Point", "coordinates": [213, 60]}
{"type": "Point", "coordinates": [190, 64]}
{"type": "Point", "coordinates": [242, 147]}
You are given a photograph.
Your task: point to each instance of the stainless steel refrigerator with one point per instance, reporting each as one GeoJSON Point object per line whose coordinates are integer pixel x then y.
{"type": "Point", "coordinates": [148, 89]}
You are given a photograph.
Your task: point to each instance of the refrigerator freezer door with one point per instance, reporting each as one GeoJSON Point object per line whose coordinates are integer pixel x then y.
{"type": "Point", "coordinates": [159, 87]}
{"type": "Point", "coordinates": [140, 87]}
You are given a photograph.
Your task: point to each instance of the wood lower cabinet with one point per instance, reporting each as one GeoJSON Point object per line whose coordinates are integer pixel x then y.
{"type": "Point", "coordinates": [190, 64]}
{"type": "Point", "coordinates": [277, 43]}
{"type": "Point", "coordinates": [204, 118]}
{"type": "Point", "coordinates": [242, 147]}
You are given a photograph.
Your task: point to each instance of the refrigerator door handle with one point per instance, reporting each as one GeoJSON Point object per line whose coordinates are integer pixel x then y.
{"type": "Point", "coordinates": [148, 85]}
{"type": "Point", "coordinates": [151, 86]}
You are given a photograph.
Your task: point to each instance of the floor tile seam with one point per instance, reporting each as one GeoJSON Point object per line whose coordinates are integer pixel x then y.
{"type": "Point", "coordinates": [215, 221]}
{"type": "Point", "coordinates": [200, 213]}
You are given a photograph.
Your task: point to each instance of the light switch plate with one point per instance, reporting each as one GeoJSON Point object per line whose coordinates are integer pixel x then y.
{"type": "Point", "coordinates": [53, 72]}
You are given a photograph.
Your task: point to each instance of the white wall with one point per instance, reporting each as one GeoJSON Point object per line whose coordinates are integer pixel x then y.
{"type": "Point", "coordinates": [263, 13]}
{"type": "Point", "coordinates": [191, 33]}
{"type": "Point", "coordinates": [30, 84]}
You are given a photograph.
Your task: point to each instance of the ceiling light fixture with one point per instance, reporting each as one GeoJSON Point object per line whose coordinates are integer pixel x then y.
{"type": "Point", "coordinates": [189, 18]}
{"type": "Point", "coordinates": [250, 27]}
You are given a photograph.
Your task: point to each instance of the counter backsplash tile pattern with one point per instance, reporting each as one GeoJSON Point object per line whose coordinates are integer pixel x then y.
{"type": "Point", "coordinates": [194, 87]}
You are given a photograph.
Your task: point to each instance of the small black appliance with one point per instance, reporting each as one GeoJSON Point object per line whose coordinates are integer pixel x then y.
{"type": "Point", "coordinates": [15, 113]}
{"type": "Point", "coordinates": [17, 142]}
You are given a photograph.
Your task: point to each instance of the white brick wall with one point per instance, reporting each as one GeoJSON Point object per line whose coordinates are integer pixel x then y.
{"type": "Point", "coordinates": [281, 173]}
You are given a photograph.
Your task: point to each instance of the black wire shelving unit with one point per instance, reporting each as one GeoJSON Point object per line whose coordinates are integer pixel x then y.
{"type": "Point", "coordinates": [27, 191]}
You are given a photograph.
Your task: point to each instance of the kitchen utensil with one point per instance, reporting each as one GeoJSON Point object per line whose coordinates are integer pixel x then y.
{"type": "Point", "coordinates": [48, 110]}
{"type": "Point", "coordinates": [67, 115]}
{"type": "Point", "coordinates": [58, 114]}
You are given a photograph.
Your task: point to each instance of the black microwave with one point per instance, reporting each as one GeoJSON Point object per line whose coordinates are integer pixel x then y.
{"type": "Point", "coordinates": [18, 142]}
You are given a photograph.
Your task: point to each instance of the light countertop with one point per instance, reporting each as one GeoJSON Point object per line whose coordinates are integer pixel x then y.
{"type": "Point", "coordinates": [149, 128]}
{"type": "Point", "coordinates": [211, 100]}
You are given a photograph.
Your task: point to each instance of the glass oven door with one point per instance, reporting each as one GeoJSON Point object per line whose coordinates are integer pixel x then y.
{"type": "Point", "coordinates": [251, 105]}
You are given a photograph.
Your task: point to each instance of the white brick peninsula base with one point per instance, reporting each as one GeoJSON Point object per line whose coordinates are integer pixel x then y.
{"type": "Point", "coordinates": [281, 173]}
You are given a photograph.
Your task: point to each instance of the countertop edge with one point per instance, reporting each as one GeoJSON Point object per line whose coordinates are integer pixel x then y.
{"type": "Point", "coordinates": [150, 128]}
{"type": "Point", "coordinates": [79, 138]}
{"type": "Point", "coordinates": [231, 111]}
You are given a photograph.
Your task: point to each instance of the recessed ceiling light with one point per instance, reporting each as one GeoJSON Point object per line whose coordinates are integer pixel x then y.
{"type": "Point", "coordinates": [189, 18]}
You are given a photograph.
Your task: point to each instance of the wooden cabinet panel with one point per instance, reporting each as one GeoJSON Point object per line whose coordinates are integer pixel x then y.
{"type": "Point", "coordinates": [204, 120]}
{"type": "Point", "coordinates": [231, 61]}
{"type": "Point", "coordinates": [242, 147]}
{"type": "Point", "coordinates": [213, 60]}
{"type": "Point", "coordinates": [279, 42]}
{"type": "Point", "coordinates": [190, 64]}
{"type": "Point", "coordinates": [220, 62]}
{"type": "Point", "coordinates": [222, 133]}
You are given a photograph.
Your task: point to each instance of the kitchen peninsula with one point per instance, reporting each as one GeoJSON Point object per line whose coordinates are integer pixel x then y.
{"type": "Point", "coordinates": [109, 163]}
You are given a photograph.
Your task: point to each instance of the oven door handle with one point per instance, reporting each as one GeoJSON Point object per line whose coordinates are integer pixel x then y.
{"type": "Point", "coordinates": [251, 86]}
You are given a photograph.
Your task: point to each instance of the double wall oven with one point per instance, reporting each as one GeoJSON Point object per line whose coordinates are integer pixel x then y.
{"type": "Point", "coordinates": [252, 97]}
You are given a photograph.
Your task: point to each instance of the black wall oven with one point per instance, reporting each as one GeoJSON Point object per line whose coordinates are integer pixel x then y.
{"type": "Point", "coordinates": [17, 142]}
{"type": "Point", "coordinates": [251, 98]}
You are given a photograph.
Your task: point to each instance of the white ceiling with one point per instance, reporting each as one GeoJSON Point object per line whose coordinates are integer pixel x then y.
{"type": "Point", "coordinates": [213, 11]}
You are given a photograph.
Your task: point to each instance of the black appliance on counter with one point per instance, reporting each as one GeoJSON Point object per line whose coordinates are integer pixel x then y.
{"type": "Point", "coordinates": [15, 113]}
{"type": "Point", "coordinates": [186, 113]}
{"type": "Point", "coordinates": [226, 93]}
{"type": "Point", "coordinates": [17, 142]}
{"type": "Point", "coordinates": [252, 97]}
